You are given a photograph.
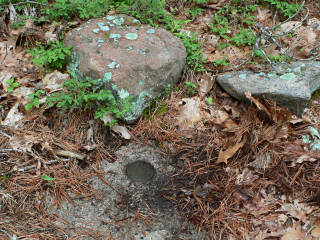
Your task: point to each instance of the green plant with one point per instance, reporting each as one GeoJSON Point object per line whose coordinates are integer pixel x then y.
{"type": "Point", "coordinates": [19, 5]}
{"type": "Point", "coordinates": [284, 7]}
{"type": "Point", "coordinates": [197, 1]}
{"type": "Point", "coordinates": [66, 9]}
{"type": "Point", "coordinates": [220, 25]}
{"type": "Point", "coordinates": [195, 58]}
{"type": "Point", "coordinates": [12, 85]}
{"type": "Point", "coordinates": [34, 99]}
{"type": "Point", "coordinates": [278, 58]}
{"type": "Point", "coordinates": [220, 62]}
{"type": "Point", "coordinates": [89, 95]}
{"type": "Point", "coordinates": [209, 100]}
{"type": "Point", "coordinates": [258, 53]}
{"type": "Point", "coordinates": [191, 88]}
{"type": "Point", "coordinates": [46, 178]}
{"type": "Point", "coordinates": [195, 11]}
{"type": "Point", "coordinates": [51, 57]}
{"type": "Point", "coordinates": [243, 38]}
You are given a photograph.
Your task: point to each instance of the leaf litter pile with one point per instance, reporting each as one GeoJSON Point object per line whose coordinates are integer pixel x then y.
{"type": "Point", "coordinates": [243, 170]}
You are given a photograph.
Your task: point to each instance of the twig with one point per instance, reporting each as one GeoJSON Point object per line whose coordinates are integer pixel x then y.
{"type": "Point", "coordinates": [6, 135]}
{"type": "Point", "coordinates": [34, 166]}
{"type": "Point", "coordinates": [5, 55]}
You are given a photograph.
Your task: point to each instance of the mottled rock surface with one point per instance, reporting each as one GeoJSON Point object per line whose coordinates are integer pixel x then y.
{"type": "Point", "coordinates": [119, 202]}
{"type": "Point", "coordinates": [130, 58]}
{"type": "Point", "coordinates": [289, 85]}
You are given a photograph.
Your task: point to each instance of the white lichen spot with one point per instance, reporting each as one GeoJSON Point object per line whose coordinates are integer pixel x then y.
{"type": "Point", "coordinates": [132, 36]}
{"type": "Point", "coordinates": [300, 68]}
{"type": "Point", "coordinates": [103, 27]}
{"type": "Point", "coordinates": [315, 141]}
{"type": "Point", "coordinates": [123, 94]}
{"type": "Point", "coordinates": [115, 36]}
{"type": "Point", "coordinates": [96, 30]}
{"type": "Point", "coordinates": [288, 76]}
{"type": "Point", "coordinates": [110, 17]}
{"type": "Point", "coordinates": [79, 28]}
{"type": "Point", "coordinates": [272, 75]}
{"type": "Point", "coordinates": [150, 31]}
{"type": "Point", "coordinates": [119, 21]}
{"type": "Point", "coordinates": [243, 76]}
{"type": "Point", "coordinates": [112, 65]}
{"type": "Point", "coordinates": [141, 51]}
{"type": "Point", "coordinates": [107, 77]}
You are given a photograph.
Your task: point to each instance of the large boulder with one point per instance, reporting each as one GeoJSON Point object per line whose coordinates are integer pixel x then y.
{"type": "Point", "coordinates": [289, 85]}
{"type": "Point", "coordinates": [130, 58]}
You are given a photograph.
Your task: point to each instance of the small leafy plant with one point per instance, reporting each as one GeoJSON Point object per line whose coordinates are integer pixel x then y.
{"type": "Point", "coordinates": [54, 56]}
{"type": "Point", "coordinates": [191, 88]}
{"type": "Point", "coordinates": [195, 11]}
{"type": "Point", "coordinates": [89, 94]}
{"type": "Point", "coordinates": [195, 58]}
{"type": "Point", "coordinates": [278, 58]}
{"type": "Point", "coordinates": [34, 99]}
{"type": "Point", "coordinates": [12, 85]}
{"type": "Point", "coordinates": [287, 9]}
{"type": "Point", "coordinates": [220, 62]}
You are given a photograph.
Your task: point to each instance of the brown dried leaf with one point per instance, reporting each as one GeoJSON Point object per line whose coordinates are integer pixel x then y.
{"type": "Point", "coordinates": [205, 83]}
{"type": "Point", "coordinates": [294, 233]}
{"type": "Point", "coordinates": [225, 155]}
{"type": "Point", "coordinates": [316, 232]}
{"type": "Point", "coordinates": [191, 112]}
{"type": "Point", "coordinates": [223, 119]}
{"type": "Point", "coordinates": [263, 14]}
{"type": "Point", "coordinates": [298, 210]}
{"type": "Point", "coordinates": [258, 104]}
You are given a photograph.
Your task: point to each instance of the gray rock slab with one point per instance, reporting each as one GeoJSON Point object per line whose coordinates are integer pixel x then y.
{"type": "Point", "coordinates": [289, 85]}
{"type": "Point", "coordinates": [118, 204]}
{"type": "Point", "coordinates": [130, 58]}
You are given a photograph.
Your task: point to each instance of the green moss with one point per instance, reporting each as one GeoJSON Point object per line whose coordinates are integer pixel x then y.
{"type": "Point", "coordinates": [316, 95]}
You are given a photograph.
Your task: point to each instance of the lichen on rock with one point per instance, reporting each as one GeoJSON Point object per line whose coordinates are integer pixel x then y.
{"type": "Point", "coordinates": [121, 54]}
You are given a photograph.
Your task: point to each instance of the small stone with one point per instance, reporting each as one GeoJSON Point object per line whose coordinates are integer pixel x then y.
{"type": "Point", "coordinates": [156, 63]}
{"type": "Point", "coordinates": [290, 85]}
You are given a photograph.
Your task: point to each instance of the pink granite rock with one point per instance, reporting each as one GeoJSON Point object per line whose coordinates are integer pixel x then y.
{"type": "Point", "coordinates": [130, 58]}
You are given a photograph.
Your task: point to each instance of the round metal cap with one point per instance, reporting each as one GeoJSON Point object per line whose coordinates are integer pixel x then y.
{"type": "Point", "coordinates": [140, 171]}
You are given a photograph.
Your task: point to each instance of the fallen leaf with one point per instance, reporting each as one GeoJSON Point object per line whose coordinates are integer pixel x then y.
{"type": "Point", "coordinates": [54, 80]}
{"type": "Point", "coordinates": [263, 14]}
{"type": "Point", "coordinates": [225, 155]}
{"type": "Point", "coordinates": [205, 83]}
{"type": "Point", "coordinates": [223, 119]}
{"type": "Point", "coordinates": [258, 104]}
{"type": "Point", "coordinates": [316, 232]}
{"type": "Point", "coordinates": [294, 233]}
{"type": "Point", "coordinates": [13, 116]}
{"type": "Point", "coordinates": [123, 131]}
{"type": "Point", "coordinates": [191, 112]}
{"type": "Point", "coordinates": [298, 210]}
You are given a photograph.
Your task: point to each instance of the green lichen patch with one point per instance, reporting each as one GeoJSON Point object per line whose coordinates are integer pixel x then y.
{"type": "Point", "coordinates": [151, 31]}
{"type": "Point", "coordinates": [103, 27]}
{"type": "Point", "coordinates": [131, 36]}
{"type": "Point", "coordinates": [288, 76]}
